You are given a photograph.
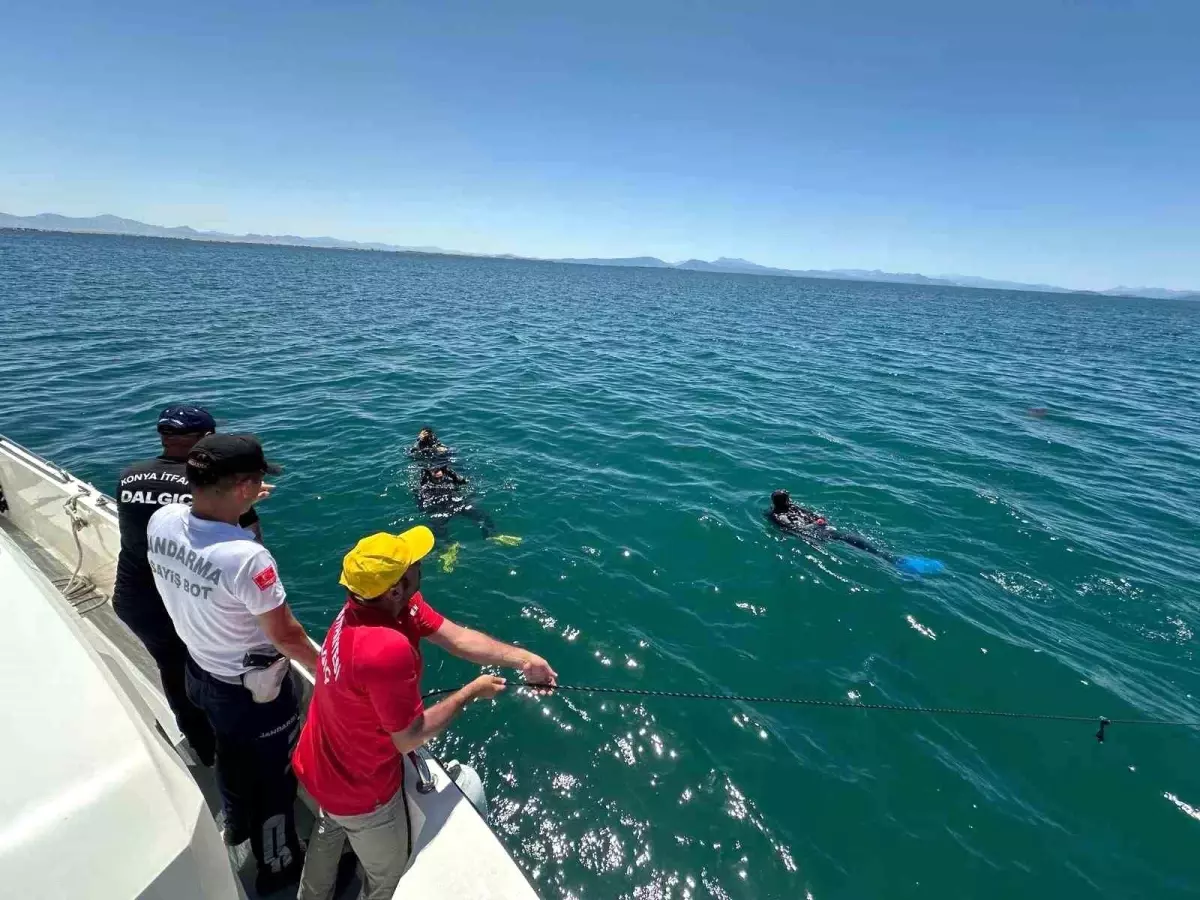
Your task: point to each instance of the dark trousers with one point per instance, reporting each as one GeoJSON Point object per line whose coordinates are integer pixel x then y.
{"type": "Point", "coordinates": [146, 617]}
{"type": "Point", "coordinates": [254, 768]}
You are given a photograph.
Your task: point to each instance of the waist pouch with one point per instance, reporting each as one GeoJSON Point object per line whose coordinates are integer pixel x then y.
{"type": "Point", "coordinates": [265, 684]}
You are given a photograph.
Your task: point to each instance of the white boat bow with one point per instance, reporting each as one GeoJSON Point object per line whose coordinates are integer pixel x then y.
{"type": "Point", "coordinates": [102, 798]}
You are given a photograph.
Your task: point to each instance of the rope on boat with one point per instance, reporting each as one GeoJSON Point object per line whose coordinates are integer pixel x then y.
{"type": "Point", "coordinates": [78, 523]}
{"type": "Point", "coordinates": [78, 591]}
{"type": "Point", "coordinates": [1103, 721]}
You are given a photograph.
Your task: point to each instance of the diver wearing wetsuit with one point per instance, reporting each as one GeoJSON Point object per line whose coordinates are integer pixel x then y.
{"type": "Point", "coordinates": [427, 446]}
{"type": "Point", "coordinates": [804, 523]}
{"type": "Point", "coordinates": [437, 485]}
{"type": "Point", "coordinates": [439, 497]}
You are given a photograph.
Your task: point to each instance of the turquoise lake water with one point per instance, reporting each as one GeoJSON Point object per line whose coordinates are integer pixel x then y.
{"type": "Point", "coordinates": [629, 425]}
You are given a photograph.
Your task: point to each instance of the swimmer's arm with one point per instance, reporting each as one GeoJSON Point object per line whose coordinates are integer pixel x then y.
{"type": "Point", "coordinates": [784, 524]}
{"type": "Point", "coordinates": [483, 650]}
{"type": "Point", "coordinates": [804, 510]}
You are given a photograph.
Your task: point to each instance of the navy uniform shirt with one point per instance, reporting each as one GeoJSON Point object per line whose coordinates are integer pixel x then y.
{"type": "Point", "coordinates": [145, 487]}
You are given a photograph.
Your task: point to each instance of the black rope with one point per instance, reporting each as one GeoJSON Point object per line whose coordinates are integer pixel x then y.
{"type": "Point", "coordinates": [1103, 721]}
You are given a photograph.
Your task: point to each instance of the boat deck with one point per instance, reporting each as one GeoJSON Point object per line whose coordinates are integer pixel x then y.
{"type": "Point", "coordinates": [94, 607]}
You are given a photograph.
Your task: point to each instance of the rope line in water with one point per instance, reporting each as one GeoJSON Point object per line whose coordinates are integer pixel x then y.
{"type": "Point", "coordinates": [1103, 721]}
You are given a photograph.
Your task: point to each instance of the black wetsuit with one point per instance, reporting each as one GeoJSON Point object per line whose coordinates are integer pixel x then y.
{"type": "Point", "coordinates": [430, 451]}
{"type": "Point", "coordinates": [442, 498]}
{"type": "Point", "coordinates": [813, 527]}
{"type": "Point", "coordinates": [144, 488]}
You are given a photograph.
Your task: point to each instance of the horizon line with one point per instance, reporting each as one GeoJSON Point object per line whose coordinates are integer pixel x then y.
{"type": "Point", "coordinates": [326, 242]}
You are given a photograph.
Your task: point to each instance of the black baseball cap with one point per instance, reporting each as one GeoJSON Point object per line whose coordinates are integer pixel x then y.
{"type": "Point", "coordinates": [183, 419]}
{"type": "Point", "coordinates": [218, 455]}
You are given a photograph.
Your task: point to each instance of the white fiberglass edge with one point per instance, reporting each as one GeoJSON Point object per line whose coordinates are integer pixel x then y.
{"type": "Point", "coordinates": [96, 804]}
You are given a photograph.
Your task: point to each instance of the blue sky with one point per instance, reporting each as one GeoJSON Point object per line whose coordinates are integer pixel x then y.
{"type": "Point", "coordinates": [1039, 141]}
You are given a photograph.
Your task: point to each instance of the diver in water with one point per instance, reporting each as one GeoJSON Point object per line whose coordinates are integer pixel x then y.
{"type": "Point", "coordinates": [427, 446]}
{"type": "Point", "coordinates": [440, 495]}
{"type": "Point", "coordinates": [813, 527]}
{"type": "Point", "coordinates": [443, 494]}
{"type": "Point", "coordinates": [437, 485]}
{"type": "Point", "coordinates": [803, 522]}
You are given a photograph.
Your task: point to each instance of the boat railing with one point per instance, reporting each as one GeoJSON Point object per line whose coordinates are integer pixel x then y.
{"type": "Point", "coordinates": [68, 519]}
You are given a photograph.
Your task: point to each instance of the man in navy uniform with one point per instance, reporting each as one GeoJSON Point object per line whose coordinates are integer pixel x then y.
{"type": "Point", "coordinates": [145, 487]}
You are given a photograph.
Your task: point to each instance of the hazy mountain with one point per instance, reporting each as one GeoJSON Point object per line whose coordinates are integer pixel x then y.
{"type": "Point", "coordinates": [878, 275]}
{"type": "Point", "coordinates": [107, 224]}
{"type": "Point", "coordinates": [116, 225]}
{"type": "Point", "coordinates": [103, 224]}
{"type": "Point", "coordinates": [644, 262]}
{"type": "Point", "coordinates": [1152, 293]}
{"type": "Point", "coordinates": [745, 267]}
{"type": "Point", "coordinates": [726, 264]}
{"type": "Point", "coordinates": [973, 281]}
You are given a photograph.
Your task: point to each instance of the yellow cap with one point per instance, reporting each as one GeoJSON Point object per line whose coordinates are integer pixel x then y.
{"type": "Point", "coordinates": [377, 562]}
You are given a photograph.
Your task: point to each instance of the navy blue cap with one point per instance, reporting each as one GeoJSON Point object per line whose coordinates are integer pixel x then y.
{"type": "Point", "coordinates": [181, 419]}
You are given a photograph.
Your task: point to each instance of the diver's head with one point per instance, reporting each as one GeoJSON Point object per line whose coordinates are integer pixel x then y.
{"type": "Point", "coordinates": [780, 501]}
{"type": "Point", "coordinates": [433, 476]}
{"type": "Point", "coordinates": [426, 437]}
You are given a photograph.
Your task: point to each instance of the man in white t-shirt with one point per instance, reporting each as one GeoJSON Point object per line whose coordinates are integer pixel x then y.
{"type": "Point", "coordinates": [222, 591]}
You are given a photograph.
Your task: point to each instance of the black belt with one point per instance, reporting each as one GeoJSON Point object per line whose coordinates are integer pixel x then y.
{"type": "Point", "coordinates": [205, 675]}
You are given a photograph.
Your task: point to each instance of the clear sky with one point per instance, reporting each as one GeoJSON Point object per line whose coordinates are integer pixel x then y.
{"type": "Point", "coordinates": [1034, 140]}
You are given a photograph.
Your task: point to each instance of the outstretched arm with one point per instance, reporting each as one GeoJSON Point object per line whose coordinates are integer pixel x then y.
{"type": "Point", "coordinates": [477, 647]}
{"type": "Point", "coordinates": [434, 720]}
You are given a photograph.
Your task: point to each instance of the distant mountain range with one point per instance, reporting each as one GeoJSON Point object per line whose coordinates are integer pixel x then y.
{"type": "Point", "coordinates": [107, 224]}
{"type": "Point", "coordinates": [116, 225]}
{"type": "Point", "coordinates": [745, 267]}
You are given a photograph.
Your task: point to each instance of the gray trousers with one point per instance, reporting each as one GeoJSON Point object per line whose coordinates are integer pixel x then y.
{"type": "Point", "coordinates": [379, 840]}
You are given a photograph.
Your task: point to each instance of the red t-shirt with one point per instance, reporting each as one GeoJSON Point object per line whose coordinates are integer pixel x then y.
{"type": "Point", "coordinates": [367, 686]}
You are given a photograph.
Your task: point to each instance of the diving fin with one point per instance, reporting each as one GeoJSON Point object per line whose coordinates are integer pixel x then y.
{"type": "Point", "coordinates": [920, 565]}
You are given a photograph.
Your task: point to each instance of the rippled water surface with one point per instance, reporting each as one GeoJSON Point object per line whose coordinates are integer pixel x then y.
{"type": "Point", "coordinates": [629, 424]}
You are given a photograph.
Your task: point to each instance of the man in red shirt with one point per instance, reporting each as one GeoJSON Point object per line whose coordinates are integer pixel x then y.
{"type": "Point", "coordinates": [367, 712]}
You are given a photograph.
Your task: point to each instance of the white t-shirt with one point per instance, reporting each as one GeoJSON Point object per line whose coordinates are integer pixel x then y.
{"type": "Point", "coordinates": [214, 578]}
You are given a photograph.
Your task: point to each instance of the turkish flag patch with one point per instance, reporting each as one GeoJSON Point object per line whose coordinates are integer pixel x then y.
{"type": "Point", "coordinates": [266, 578]}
